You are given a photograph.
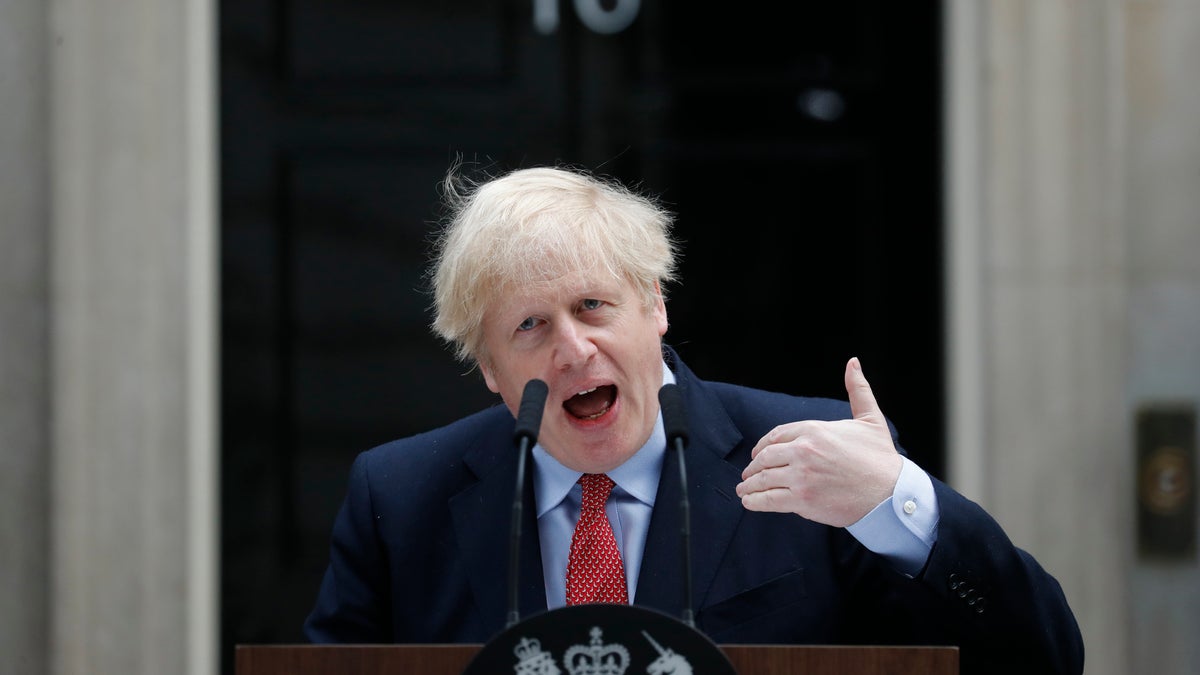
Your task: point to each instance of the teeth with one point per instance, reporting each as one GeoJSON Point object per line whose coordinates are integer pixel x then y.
{"type": "Point", "coordinates": [586, 392]}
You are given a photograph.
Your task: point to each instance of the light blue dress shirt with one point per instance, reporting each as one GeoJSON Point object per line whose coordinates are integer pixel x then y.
{"type": "Point", "coordinates": [903, 528]}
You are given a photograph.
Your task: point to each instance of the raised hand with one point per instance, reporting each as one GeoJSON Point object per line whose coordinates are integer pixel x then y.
{"type": "Point", "coordinates": [829, 472]}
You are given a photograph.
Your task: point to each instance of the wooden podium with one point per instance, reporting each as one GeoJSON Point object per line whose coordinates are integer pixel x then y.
{"type": "Point", "coordinates": [452, 659]}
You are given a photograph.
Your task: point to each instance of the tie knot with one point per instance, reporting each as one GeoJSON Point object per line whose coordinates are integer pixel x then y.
{"type": "Point", "coordinates": [596, 488]}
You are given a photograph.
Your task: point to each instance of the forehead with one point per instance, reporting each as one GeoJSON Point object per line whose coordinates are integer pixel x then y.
{"type": "Point", "coordinates": [550, 292]}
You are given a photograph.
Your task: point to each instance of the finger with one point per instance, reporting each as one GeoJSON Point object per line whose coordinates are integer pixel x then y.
{"type": "Point", "coordinates": [760, 445]}
{"type": "Point", "coordinates": [770, 438]}
{"type": "Point", "coordinates": [775, 499]}
{"type": "Point", "coordinates": [759, 481]}
{"type": "Point", "coordinates": [765, 460]}
{"type": "Point", "coordinates": [862, 400]}
{"type": "Point", "coordinates": [780, 434]}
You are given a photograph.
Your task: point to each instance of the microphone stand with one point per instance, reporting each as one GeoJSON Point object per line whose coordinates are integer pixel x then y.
{"type": "Point", "coordinates": [529, 420]}
{"type": "Point", "coordinates": [514, 544]}
{"type": "Point", "coordinates": [675, 426]}
{"type": "Point", "coordinates": [685, 508]}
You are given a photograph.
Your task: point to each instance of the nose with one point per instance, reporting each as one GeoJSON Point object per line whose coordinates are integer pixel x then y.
{"type": "Point", "coordinates": [573, 345]}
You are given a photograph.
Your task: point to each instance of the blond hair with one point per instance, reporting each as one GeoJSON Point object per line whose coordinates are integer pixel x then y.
{"type": "Point", "coordinates": [536, 224]}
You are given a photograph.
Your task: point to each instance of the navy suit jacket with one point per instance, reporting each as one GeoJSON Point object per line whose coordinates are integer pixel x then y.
{"type": "Point", "coordinates": [419, 551]}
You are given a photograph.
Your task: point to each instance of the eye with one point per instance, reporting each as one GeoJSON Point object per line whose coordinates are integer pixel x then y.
{"type": "Point", "coordinates": [590, 304]}
{"type": "Point", "coordinates": [528, 324]}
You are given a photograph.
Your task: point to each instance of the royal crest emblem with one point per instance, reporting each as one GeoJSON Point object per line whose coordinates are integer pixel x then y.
{"type": "Point", "coordinates": [601, 639]}
{"type": "Point", "coordinates": [531, 660]}
{"type": "Point", "coordinates": [596, 658]}
{"type": "Point", "coordinates": [668, 662]}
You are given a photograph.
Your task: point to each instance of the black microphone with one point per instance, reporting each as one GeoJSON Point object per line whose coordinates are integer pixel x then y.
{"type": "Point", "coordinates": [675, 425]}
{"type": "Point", "coordinates": [529, 420]}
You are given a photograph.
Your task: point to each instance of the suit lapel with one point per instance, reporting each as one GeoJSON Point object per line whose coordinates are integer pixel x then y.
{"type": "Point", "coordinates": [715, 507]}
{"type": "Point", "coordinates": [482, 515]}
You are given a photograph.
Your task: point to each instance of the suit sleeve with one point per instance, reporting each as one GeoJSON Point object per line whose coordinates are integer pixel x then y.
{"type": "Point", "coordinates": [983, 593]}
{"type": "Point", "coordinates": [351, 604]}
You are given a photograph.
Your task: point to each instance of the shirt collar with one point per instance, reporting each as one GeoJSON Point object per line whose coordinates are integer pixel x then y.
{"type": "Point", "coordinates": [638, 476]}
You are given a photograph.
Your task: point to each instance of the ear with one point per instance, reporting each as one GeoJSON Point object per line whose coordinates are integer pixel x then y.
{"type": "Point", "coordinates": [488, 376]}
{"type": "Point", "coordinates": [659, 310]}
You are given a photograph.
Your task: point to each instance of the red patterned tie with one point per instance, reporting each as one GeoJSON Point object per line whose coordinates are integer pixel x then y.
{"type": "Point", "coordinates": [594, 569]}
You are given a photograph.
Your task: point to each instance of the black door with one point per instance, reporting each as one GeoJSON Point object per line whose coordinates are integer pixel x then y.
{"type": "Point", "coordinates": [798, 144]}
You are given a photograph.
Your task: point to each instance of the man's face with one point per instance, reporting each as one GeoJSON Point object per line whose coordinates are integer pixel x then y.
{"type": "Point", "coordinates": [597, 347]}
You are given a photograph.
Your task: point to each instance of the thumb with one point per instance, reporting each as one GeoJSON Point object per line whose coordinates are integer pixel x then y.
{"type": "Point", "coordinates": [862, 399]}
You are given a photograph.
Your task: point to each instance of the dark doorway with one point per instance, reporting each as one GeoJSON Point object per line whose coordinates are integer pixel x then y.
{"type": "Point", "coordinates": [798, 144]}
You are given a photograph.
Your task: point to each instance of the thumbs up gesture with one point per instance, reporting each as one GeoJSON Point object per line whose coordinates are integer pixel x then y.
{"type": "Point", "coordinates": [829, 472]}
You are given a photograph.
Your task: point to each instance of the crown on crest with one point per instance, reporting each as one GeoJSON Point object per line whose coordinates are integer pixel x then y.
{"type": "Point", "coordinates": [532, 660]}
{"type": "Point", "coordinates": [597, 658]}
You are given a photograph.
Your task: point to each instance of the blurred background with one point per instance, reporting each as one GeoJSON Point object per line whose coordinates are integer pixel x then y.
{"type": "Point", "coordinates": [214, 220]}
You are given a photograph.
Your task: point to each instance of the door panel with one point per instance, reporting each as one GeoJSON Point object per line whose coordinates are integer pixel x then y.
{"type": "Point", "coordinates": [796, 142]}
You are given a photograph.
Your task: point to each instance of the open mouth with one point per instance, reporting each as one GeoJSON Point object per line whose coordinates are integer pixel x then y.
{"type": "Point", "coordinates": [591, 404]}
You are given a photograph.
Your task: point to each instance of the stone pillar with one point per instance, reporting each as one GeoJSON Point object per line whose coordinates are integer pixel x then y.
{"type": "Point", "coordinates": [1037, 284]}
{"type": "Point", "coordinates": [1163, 197]}
{"type": "Point", "coordinates": [133, 527]}
{"type": "Point", "coordinates": [24, 357]}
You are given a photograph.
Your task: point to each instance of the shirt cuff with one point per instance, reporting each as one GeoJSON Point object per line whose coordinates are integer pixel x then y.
{"type": "Point", "coordinates": [903, 527]}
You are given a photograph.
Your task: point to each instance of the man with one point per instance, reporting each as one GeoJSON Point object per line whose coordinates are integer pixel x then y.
{"type": "Point", "coordinates": [812, 527]}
